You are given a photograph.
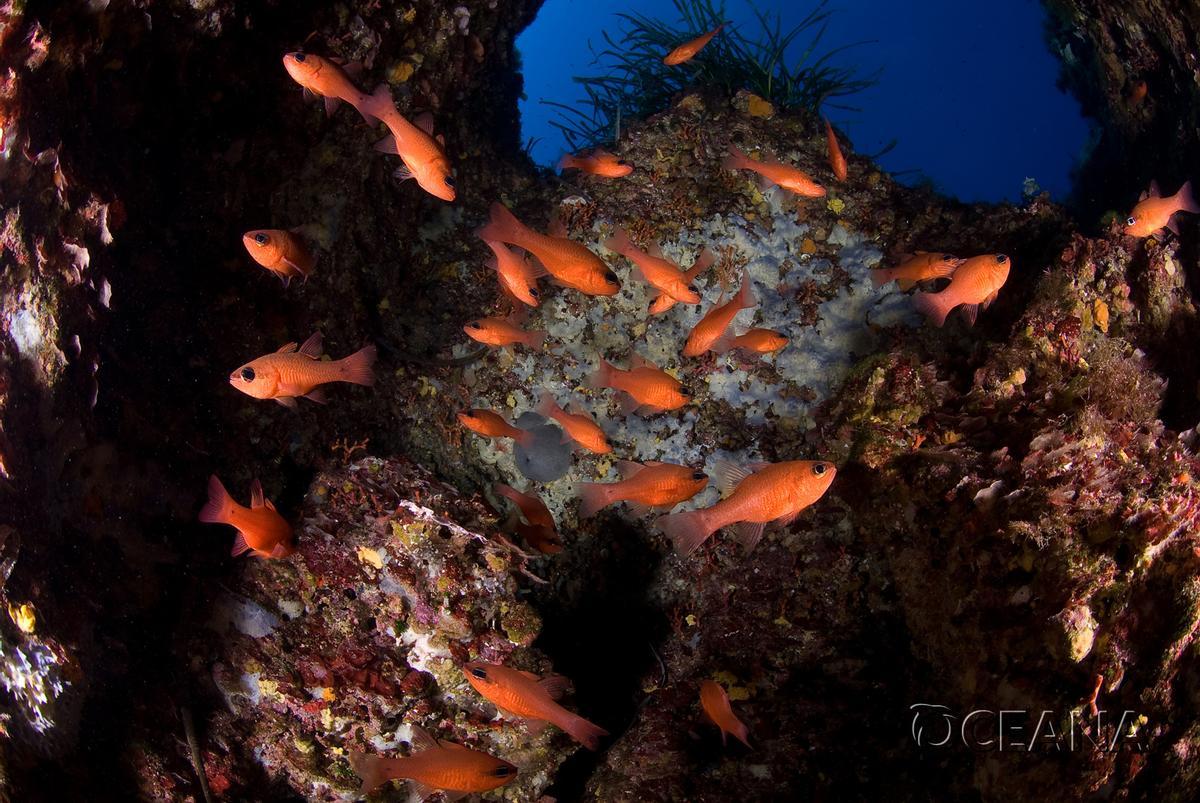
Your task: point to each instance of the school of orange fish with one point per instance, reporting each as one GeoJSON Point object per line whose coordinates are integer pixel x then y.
{"type": "Point", "coordinates": [752, 496]}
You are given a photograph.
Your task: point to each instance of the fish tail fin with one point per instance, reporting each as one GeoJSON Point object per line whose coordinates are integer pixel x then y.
{"type": "Point", "coordinates": [547, 406]}
{"type": "Point", "coordinates": [880, 277]}
{"type": "Point", "coordinates": [359, 366]}
{"type": "Point", "coordinates": [932, 307]}
{"type": "Point", "coordinates": [584, 732]}
{"type": "Point", "coordinates": [723, 344]}
{"type": "Point", "coordinates": [567, 162]}
{"type": "Point", "coordinates": [375, 104]}
{"type": "Point", "coordinates": [371, 769]}
{"type": "Point", "coordinates": [535, 339]}
{"type": "Point", "coordinates": [735, 159]}
{"type": "Point", "coordinates": [360, 105]}
{"type": "Point", "coordinates": [1185, 200]}
{"type": "Point", "coordinates": [687, 530]}
{"type": "Point", "coordinates": [593, 497]}
{"type": "Point", "coordinates": [602, 377]}
{"type": "Point", "coordinates": [524, 438]}
{"type": "Point", "coordinates": [745, 296]}
{"type": "Point", "coordinates": [619, 241]}
{"type": "Point", "coordinates": [503, 226]}
{"type": "Point", "coordinates": [741, 733]}
{"type": "Point", "coordinates": [219, 505]}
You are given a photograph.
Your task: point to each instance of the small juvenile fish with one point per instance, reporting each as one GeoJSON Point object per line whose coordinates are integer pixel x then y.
{"type": "Point", "coordinates": [712, 326]}
{"type": "Point", "coordinates": [976, 282]}
{"type": "Point", "coordinates": [499, 332]}
{"type": "Point", "coordinates": [518, 278]}
{"type": "Point", "coordinates": [424, 155]}
{"type": "Point", "coordinates": [289, 372]}
{"type": "Point", "coordinates": [329, 79]}
{"type": "Point", "coordinates": [539, 530]}
{"type": "Point", "coordinates": [1138, 92]}
{"type": "Point", "coordinates": [543, 539]}
{"type": "Point", "coordinates": [261, 530]}
{"type": "Point", "coordinates": [491, 425]}
{"type": "Point", "coordinates": [597, 162]}
{"type": "Point", "coordinates": [569, 262]}
{"type": "Point", "coordinates": [790, 178]}
{"type": "Point", "coordinates": [688, 50]}
{"type": "Point", "coordinates": [526, 696]}
{"type": "Point", "coordinates": [645, 486]}
{"type": "Point", "coordinates": [434, 765]}
{"type": "Point", "coordinates": [919, 267]}
{"type": "Point", "coordinates": [775, 492]}
{"type": "Point", "coordinates": [281, 252]}
{"type": "Point", "coordinates": [758, 341]}
{"type": "Point", "coordinates": [649, 389]}
{"type": "Point", "coordinates": [1154, 212]}
{"type": "Point", "coordinates": [578, 426]}
{"type": "Point", "coordinates": [704, 261]}
{"type": "Point", "coordinates": [654, 269]}
{"type": "Point", "coordinates": [837, 162]}
{"type": "Point", "coordinates": [715, 703]}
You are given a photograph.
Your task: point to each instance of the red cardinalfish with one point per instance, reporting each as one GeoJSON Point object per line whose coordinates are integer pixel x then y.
{"type": "Point", "coordinates": [709, 329]}
{"type": "Point", "coordinates": [577, 425]}
{"type": "Point", "coordinates": [567, 261]}
{"type": "Point", "coordinates": [644, 486]}
{"type": "Point", "coordinates": [518, 278]}
{"type": "Point", "coordinates": [329, 79]}
{"type": "Point", "coordinates": [688, 50]}
{"type": "Point", "coordinates": [976, 282]}
{"type": "Point", "coordinates": [649, 389]}
{"type": "Point", "coordinates": [774, 492]}
{"type": "Point", "coordinates": [837, 162]}
{"type": "Point", "coordinates": [1154, 212]}
{"type": "Point", "coordinates": [523, 695]}
{"type": "Point", "coordinates": [597, 162]}
{"type": "Point", "coordinates": [424, 155]}
{"type": "Point", "coordinates": [434, 766]}
{"type": "Point", "coordinates": [756, 341]}
{"type": "Point", "coordinates": [654, 269]}
{"type": "Point", "coordinates": [292, 372]}
{"type": "Point", "coordinates": [704, 261]}
{"type": "Point", "coordinates": [539, 530]}
{"type": "Point", "coordinates": [499, 332]}
{"type": "Point", "coordinates": [792, 179]}
{"type": "Point", "coordinates": [715, 703]}
{"type": "Point", "coordinates": [491, 425]}
{"type": "Point", "coordinates": [919, 267]}
{"type": "Point", "coordinates": [261, 530]}
{"type": "Point", "coordinates": [283, 253]}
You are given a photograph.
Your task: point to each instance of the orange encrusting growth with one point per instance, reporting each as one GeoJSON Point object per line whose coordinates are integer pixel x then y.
{"type": "Point", "coordinates": [579, 426]}
{"type": "Point", "coordinates": [281, 252]}
{"type": "Point", "coordinates": [436, 765]}
{"type": "Point", "coordinates": [292, 372]}
{"type": "Point", "coordinates": [526, 696]}
{"type": "Point", "coordinates": [651, 389]}
{"type": "Point", "coordinates": [644, 486]}
{"type": "Point", "coordinates": [715, 702]}
{"type": "Point", "coordinates": [261, 530]}
{"type": "Point", "coordinates": [976, 283]}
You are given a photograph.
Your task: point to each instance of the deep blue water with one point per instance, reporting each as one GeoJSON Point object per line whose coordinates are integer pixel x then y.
{"type": "Point", "coordinates": [967, 89]}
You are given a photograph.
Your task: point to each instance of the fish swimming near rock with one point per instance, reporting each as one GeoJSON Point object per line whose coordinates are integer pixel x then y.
{"type": "Point", "coordinates": [292, 372]}
{"type": "Point", "coordinates": [518, 278]}
{"type": "Point", "coordinates": [578, 426]}
{"type": "Point", "coordinates": [837, 162]}
{"type": "Point", "coordinates": [715, 702]}
{"type": "Point", "coordinates": [492, 425]}
{"type": "Point", "coordinates": [704, 260]}
{"type": "Point", "coordinates": [753, 497]}
{"type": "Point", "coordinates": [1154, 212]}
{"type": "Point", "coordinates": [976, 283]}
{"type": "Point", "coordinates": [539, 529]}
{"type": "Point", "coordinates": [644, 486]}
{"type": "Point", "coordinates": [423, 154]}
{"type": "Point", "coordinates": [688, 50]}
{"type": "Point", "coordinates": [712, 326]}
{"type": "Point", "coordinates": [524, 695]}
{"type": "Point", "coordinates": [648, 389]}
{"type": "Point", "coordinates": [283, 253]}
{"type": "Point", "coordinates": [434, 766]}
{"type": "Point", "coordinates": [261, 530]}
{"type": "Point", "coordinates": [792, 179]}
{"type": "Point", "coordinates": [569, 262]}
{"type": "Point", "coordinates": [329, 79]}
{"type": "Point", "coordinates": [755, 341]}
{"type": "Point", "coordinates": [500, 332]}
{"type": "Point", "coordinates": [919, 267]}
{"type": "Point", "coordinates": [654, 269]}
{"type": "Point", "coordinates": [597, 162]}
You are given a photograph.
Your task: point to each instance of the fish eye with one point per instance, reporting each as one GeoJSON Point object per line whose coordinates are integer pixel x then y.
{"type": "Point", "coordinates": [819, 469]}
{"type": "Point", "coordinates": [699, 475]}
{"type": "Point", "coordinates": [479, 673]}
{"type": "Point", "coordinates": [248, 374]}
{"type": "Point", "coordinates": [299, 57]}
{"type": "Point", "coordinates": [692, 289]}
{"type": "Point", "coordinates": [261, 238]}
{"type": "Point", "coordinates": [610, 277]}
{"type": "Point", "coordinates": [1131, 220]}
{"type": "Point", "coordinates": [450, 181]}
{"type": "Point", "coordinates": [533, 291]}
{"type": "Point", "coordinates": [1002, 258]}
{"type": "Point", "coordinates": [623, 163]}
{"type": "Point", "coordinates": [475, 325]}
{"type": "Point", "coordinates": [504, 772]}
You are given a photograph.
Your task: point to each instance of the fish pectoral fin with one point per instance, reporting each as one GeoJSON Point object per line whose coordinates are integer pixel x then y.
{"type": "Point", "coordinates": [987, 302]}
{"type": "Point", "coordinates": [239, 545]}
{"type": "Point", "coordinates": [312, 346]}
{"type": "Point", "coordinates": [748, 534]}
{"type": "Point", "coordinates": [317, 395]}
{"type": "Point", "coordinates": [535, 726]}
{"type": "Point", "coordinates": [655, 250]}
{"type": "Point", "coordinates": [628, 468]}
{"type": "Point", "coordinates": [729, 476]}
{"type": "Point", "coordinates": [554, 685]}
{"type": "Point", "coordinates": [627, 403]}
{"type": "Point", "coordinates": [331, 105]}
{"type": "Point", "coordinates": [280, 550]}
{"type": "Point", "coordinates": [387, 145]}
{"type": "Point", "coordinates": [638, 361]}
{"type": "Point", "coordinates": [307, 93]}
{"type": "Point", "coordinates": [969, 313]}
{"type": "Point", "coordinates": [1172, 225]}
{"type": "Point", "coordinates": [287, 401]}
{"type": "Point", "coordinates": [650, 409]}
{"type": "Point", "coordinates": [639, 509]}
{"type": "Point", "coordinates": [422, 791]}
{"type": "Point", "coordinates": [403, 173]}
{"type": "Point", "coordinates": [256, 494]}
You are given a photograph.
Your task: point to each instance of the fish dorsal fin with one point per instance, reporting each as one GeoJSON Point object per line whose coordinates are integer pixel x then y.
{"type": "Point", "coordinates": [453, 746]}
{"type": "Point", "coordinates": [729, 475]}
{"type": "Point", "coordinates": [269, 505]}
{"type": "Point", "coordinates": [1154, 191]}
{"type": "Point", "coordinates": [422, 739]}
{"type": "Point", "coordinates": [655, 250]}
{"type": "Point", "coordinates": [638, 361]}
{"type": "Point", "coordinates": [387, 145]}
{"type": "Point", "coordinates": [554, 685]}
{"type": "Point", "coordinates": [441, 140]}
{"type": "Point", "coordinates": [556, 228]}
{"type": "Point", "coordinates": [628, 468]}
{"type": "Point", "coordinates": [424, 121]}
{"type": "Point", "coordinates": [535, 269]}
{"type": "Point", "coordinates": [312, 346]}
{"type": "Point", "coordinates": [656, 464]}
{"type": "Point", "coordinates": [287, 348]}
{"type": "Point", "coordinates": [529, 675]}
{"type": "Point", "coordinates": [256, 494]}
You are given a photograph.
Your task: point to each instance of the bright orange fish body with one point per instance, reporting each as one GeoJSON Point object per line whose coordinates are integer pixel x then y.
{"type": "Point", "coordinates": [436, 765]}
{"type": "Point", "coordinates": [579, 427]}
{"type": "Point", "coordinates": [657, 271]}
{"type": "Point", "coordinates": [539, 530]}
{"type": "Point", "coordinates": [976, 283]}
{"type": "Point", "coordinates": [920, 267]}
{"type": "Point", "coordinates": [517, 277]}
{"type": "Point", "coordinates": [491, 425]}
{"type": "Point", "coordinates": [261, 530]}
{"type": "Point", "coordinates": [688, 50]}
{"type": "Point", "coordinates": [704, 261]}
{"type": "Point", "coordinates": [775, 492]}
{"type": "Point", "coordinates": [598, 162]}
{"type": "Point", "coordinates": [499, 332]}
{"type": "Point", "coordinates": [645, 486]}
{"type": "Point", "coordinates": [423, 155]}
{"type": "Point", "coordinates": [715, 703]}
{"type": "Point", "coordinates": [837, 162]}
{"type": "Point", "coordinates": [281, 252]}
{"type": "Point", "coordinates": [1154, 212]}
{"type": "Point", "coordinates": [329, 79]}
{"type": "Point", "coordinates": [526, 696]}
{"type": "Point", "coordinates": [757, 341]}
{"type": "Point", "coordinates": [571, 263]}
{"type": "Point", "coordinates": [292, 372]}
{"type": "Point", "coordinates": [650, 389]}
{"type": "Point", "coordinates": [790, 178]}
{"type": "Point", "coordinates": [712, 326]}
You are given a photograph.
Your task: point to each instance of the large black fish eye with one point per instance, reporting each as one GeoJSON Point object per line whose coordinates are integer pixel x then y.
{"type": "Point", "coordinates": [1131, 220]}
{"type": "Point", "coordinates": [1002, 258]}
{"type": "Point", "coordinates": [474, 325]}
{"type": "Point", "coordinates": [699, 475]}
{"type": "Point", "coordinates": [533, 292]}
{"type": "Point", "coordinates": [623, 163]}
{"type": "Point", "coordinates": [479, 673]}
{"type": "Point", "coordinates": [299, 57]}
{"type": "Point", "coordinates": [248, 374]}
{"type": "Point", "coordinates": [504, 772]}
{"type": "Point", "coordinates": [261, 238]}
{"type": "Point", "coordinates": [819, 469]}
{"type": "Point", "coordinates": [692, 289]}
{"type": "Point", "coordinates": [450, 181]}
{"type": "Point", "coordinates": [610, 277]}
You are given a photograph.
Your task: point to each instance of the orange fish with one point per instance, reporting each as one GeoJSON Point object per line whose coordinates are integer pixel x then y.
{"type": "Point", "coordinates": [539, 530]}
{"type": "Point", "coordinates": [423, 154]}
{"type": "Point", "coordinates": [649, 389]}
{"type": "Point", "coordinates": [566, 260]}
{"type": "Point", "coordinates": [977, 281]}
{"type": "Point", "coordinates": [919, 267]}
{"type": "Point", "coordinates": [790, 178]}
{"type": "Point", "coordinates": [281, 252]}
{"type": "Point", "coordinates": [712, 326]}
{"type": "Point", "coordinates": [501, 332]}
{"type": "Point", "coordinates": [704, 261]}
{"type": "Point", "coordinates": [1155, 212]}
{"type": "Point", "coordinates": [597, 162]}
{"type": "Point", "coordinates": [261, 530]}
{"type": "Point", "coordinates": [518, 279]}
{"type": "Point", "coordinates": [715, 703]}
{"type": "Point", "coordinates": [578, 426]}
{"type": "Point", "coordinates": [434, 765]}
{"type": "Point", "coordinates": [688, 50]}
{"type": "Point", "coordinates": [775, 492]}
{"type": "Point", "coordinates": [328, 78]}
{"type": "Point", "coordinates": [491, 425]}
{"type": "Point", "coordinates": [652, 268]}
{"type": "Point", "coordinates": [758, 341]}
{"type": "Point", "coordinates": [289, 372]}
{"type": "Point", "coordinates": [543, 539]}
{"type": "Point", "coordinates": [645, 486]}
{"type": "Point", "coordinates": [524, 695]}
{"type": "Point", "coordinates": [837, 162]}
{"type": "Point", "coordinates": [1137, 93]}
